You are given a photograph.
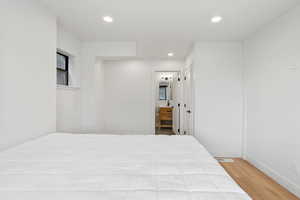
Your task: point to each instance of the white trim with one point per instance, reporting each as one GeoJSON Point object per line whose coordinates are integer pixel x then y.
{"type": "Point", "coordinates": [288, 184]}
{"type": "Point", "coordinates": [66, 53]}
{"type": "Point", "coordinates": [64, 87]}
{"type": "Point", "coordinates": [245, 108]}
{"type": "Point", "coordinates": [113, 132]}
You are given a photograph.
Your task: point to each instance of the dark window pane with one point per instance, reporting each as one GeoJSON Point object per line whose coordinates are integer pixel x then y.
{"type": "Point", "coordinates": [62, 77]}
{"type": "Point", "coordinates": [62, 69]}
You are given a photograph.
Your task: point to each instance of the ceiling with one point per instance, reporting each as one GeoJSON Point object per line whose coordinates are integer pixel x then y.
{"type": "Point", "coordinates": [162, 26]}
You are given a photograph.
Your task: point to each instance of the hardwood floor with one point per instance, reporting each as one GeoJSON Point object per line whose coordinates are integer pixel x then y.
{"type": "Point", "coordinates": [164, 131]}
{"type": "Point", "coordinates": [258, 185]}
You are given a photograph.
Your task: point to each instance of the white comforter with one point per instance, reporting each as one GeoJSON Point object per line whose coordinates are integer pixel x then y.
{"type": "Point", "coordinates": [90, 167]}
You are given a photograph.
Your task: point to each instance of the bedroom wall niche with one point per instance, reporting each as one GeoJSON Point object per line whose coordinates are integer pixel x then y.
{"type": "Point", "coordinates": [91, 80]}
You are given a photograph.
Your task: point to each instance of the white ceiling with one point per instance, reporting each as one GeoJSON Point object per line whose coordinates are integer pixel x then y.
{"type": "Point", "coordinates": [160, 26]}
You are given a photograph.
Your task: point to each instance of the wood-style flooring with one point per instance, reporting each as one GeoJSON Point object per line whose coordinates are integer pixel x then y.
{"type": "Point", "coordinates": [253, 181]}
{"type": "Point", "coordinates": [164, 131]}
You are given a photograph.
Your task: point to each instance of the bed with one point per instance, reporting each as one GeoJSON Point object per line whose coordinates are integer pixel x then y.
{"type": "Point", "coordinates": [106, 167]}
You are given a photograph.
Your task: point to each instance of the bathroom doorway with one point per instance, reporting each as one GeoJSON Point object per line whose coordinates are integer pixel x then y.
{"type": "Point", "coordinates": [168, 94]}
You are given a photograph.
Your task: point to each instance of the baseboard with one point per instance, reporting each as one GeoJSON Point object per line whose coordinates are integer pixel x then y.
{"type": "Point", "coordinates": [289, 185]}
{"type": "Point", "coordinates": [116, 132]}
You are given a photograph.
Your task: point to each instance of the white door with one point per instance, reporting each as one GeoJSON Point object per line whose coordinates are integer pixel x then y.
{"type": "Point", "coordinates": [187, 102]}
{"type": "Point", "coordinates": [176, 91]}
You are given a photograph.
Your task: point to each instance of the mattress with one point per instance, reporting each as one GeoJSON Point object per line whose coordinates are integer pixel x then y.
{"type": "Point", "coordinates": [106, 167]}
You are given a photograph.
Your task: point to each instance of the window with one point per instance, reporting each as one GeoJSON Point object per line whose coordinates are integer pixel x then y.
{"type": "Point", "coordinates": [62, 69]}
{"type": "Point", "coordinates": [162, 92]}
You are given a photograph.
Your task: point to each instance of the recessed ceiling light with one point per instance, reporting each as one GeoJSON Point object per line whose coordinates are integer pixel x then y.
{"type": "Point", "coordinates": [170, 54]}
{"type": "Point", "coordinates": [108, 19]}
{"type": "Point", "coordinates": [216, 19]}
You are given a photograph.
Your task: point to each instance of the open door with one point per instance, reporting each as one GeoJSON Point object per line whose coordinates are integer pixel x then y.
{"type": "Point", "coordinates": [187, 110]}
{"type": "Point", "coordinates": [176, 88]}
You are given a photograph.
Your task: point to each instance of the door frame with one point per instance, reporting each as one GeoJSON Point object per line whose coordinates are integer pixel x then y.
{"type": "Point", "coordinates": [192, 97]}
{"type": "Point", "coordinates": [153, 94]}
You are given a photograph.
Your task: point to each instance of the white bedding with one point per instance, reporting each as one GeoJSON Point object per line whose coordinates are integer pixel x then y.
{"type": "Point", "coordinates": [90, 167]}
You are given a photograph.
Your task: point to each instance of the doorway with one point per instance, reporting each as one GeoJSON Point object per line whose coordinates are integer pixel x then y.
{"type": "Point", "coordinates": [168, 94]}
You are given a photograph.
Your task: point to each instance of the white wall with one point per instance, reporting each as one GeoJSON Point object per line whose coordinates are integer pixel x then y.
{"type": "Point", "coordinates": [68, 98]}
{"type": "Point", "coordinates": [218, 98]}
{"type": "Point", "coordinates": [128, 90]}
{"type": "Point", "coordinates": [27, 72]}
{"type": "Point", "coordinates": [68, 110]}
{"type": "Point", "coordinates": [273, 99]}
{"type": "Point", "coordinates": [129, 99]}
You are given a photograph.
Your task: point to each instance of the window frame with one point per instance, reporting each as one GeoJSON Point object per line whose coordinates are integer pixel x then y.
{"type": "Point", "coordinates": [66, 67]}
